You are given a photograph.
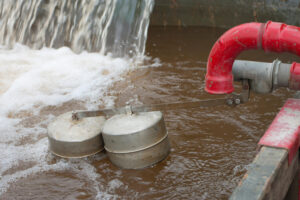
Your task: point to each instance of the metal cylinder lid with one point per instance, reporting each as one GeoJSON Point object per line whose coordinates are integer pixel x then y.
{"type": "Point", "coordinates": [133, 132]}
{"type": "Point", "coordinates": [136, 141]}
{"type": "Point", "coordinates": [72, 138]}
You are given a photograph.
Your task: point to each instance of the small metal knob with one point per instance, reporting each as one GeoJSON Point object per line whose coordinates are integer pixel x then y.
{"type": "Point", "coordinates": [229, 101]}
{"type": "Point", "coordinates": [237, 101]}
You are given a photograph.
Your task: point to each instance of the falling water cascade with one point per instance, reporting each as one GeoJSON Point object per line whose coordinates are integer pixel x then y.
{"type": "Point", "coordinates": [117, 27]}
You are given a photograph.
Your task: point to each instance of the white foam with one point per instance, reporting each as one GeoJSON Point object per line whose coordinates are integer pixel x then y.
{"type": "Point", "coordinates": [114, 184]}
{"type": "Point", "coordinates": [63, 128]}
{"type": "Point", "coordinates": [31, 80]}
{"type": "Point", "coordinates": [130, 123]}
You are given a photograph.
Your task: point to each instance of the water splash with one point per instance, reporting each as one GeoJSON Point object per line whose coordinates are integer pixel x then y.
{"type": "Point", "coordinates": [118, 27]}
{"type": "Point", "coordinates": [37, 85]}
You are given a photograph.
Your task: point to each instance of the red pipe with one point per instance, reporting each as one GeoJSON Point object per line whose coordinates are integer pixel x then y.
{"type": "Point", "coordinates": [271, 36]}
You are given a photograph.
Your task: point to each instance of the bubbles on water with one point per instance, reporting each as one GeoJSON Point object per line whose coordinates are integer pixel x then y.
{"type": "Point", "coordinates": [151, 62]}
{"type": "Point", "coordinates": [239, 170]}
{"type": "Point", "coordinates": [36, 86]}
{"type": "Point", "coordinates": [114, 184]}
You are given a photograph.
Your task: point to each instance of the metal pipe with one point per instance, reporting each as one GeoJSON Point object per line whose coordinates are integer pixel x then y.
{"type": "Point", "coordinates": [264, 77]}
{"type": "Point", "coordinates": [271, 36]}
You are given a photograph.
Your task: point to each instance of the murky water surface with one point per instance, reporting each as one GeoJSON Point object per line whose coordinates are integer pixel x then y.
{"type": "Point", "coordinates": [211, 147]}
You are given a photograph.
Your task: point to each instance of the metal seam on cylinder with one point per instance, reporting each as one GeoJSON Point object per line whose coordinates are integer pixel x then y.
{"type": "Point", "coordinates": [141, 159]}
{"type": "Point", "coordinates": [85, 155]}
{"type": "Point", "coordinates": [157, 142]}
{"type": "Point", "coordinates": [53, 144]}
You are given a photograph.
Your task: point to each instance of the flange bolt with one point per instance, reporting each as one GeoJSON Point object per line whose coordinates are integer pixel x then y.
{"type": "Point", "coordinates": [229, 101]}
{"type": "Point", "coordinates": [237, 101]}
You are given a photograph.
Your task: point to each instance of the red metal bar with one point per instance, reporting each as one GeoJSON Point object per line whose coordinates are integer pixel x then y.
{"type": "Point", "coordinates": [272, 36]}
{"type": "Point", "coordinates": [284, 130]}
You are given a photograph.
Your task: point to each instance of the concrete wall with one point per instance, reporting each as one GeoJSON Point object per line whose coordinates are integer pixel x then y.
{"type": "Point", "coordinates": [224, 13]}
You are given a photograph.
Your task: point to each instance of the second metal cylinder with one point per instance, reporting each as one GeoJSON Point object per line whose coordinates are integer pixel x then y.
{"type": "Point", "coordinates": [135, 141]}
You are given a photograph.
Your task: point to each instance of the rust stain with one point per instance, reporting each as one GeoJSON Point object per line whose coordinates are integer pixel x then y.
{"type": "Point", "coordinates": [244, 178]}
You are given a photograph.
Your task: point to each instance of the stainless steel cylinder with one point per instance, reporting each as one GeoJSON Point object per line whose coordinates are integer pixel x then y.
{"type": "Point", "coordinates": [134, 141]}
{"type": "Point", "coordinates": [73, 139]}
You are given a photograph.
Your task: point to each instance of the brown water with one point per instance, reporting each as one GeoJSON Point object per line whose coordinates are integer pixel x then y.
{"type": "Point", "coordinates": [211, 147]}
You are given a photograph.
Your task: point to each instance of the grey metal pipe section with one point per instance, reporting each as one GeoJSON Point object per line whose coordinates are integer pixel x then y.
{"type": "Point", "coordinates": [264, 77]}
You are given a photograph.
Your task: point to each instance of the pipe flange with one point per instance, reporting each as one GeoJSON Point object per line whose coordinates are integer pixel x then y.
{"type": "Point", "coordinates": [275, 68]}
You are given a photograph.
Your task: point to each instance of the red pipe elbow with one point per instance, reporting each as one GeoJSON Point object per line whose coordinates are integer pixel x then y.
{"type": "Point", "coordinates": [271, 36]}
